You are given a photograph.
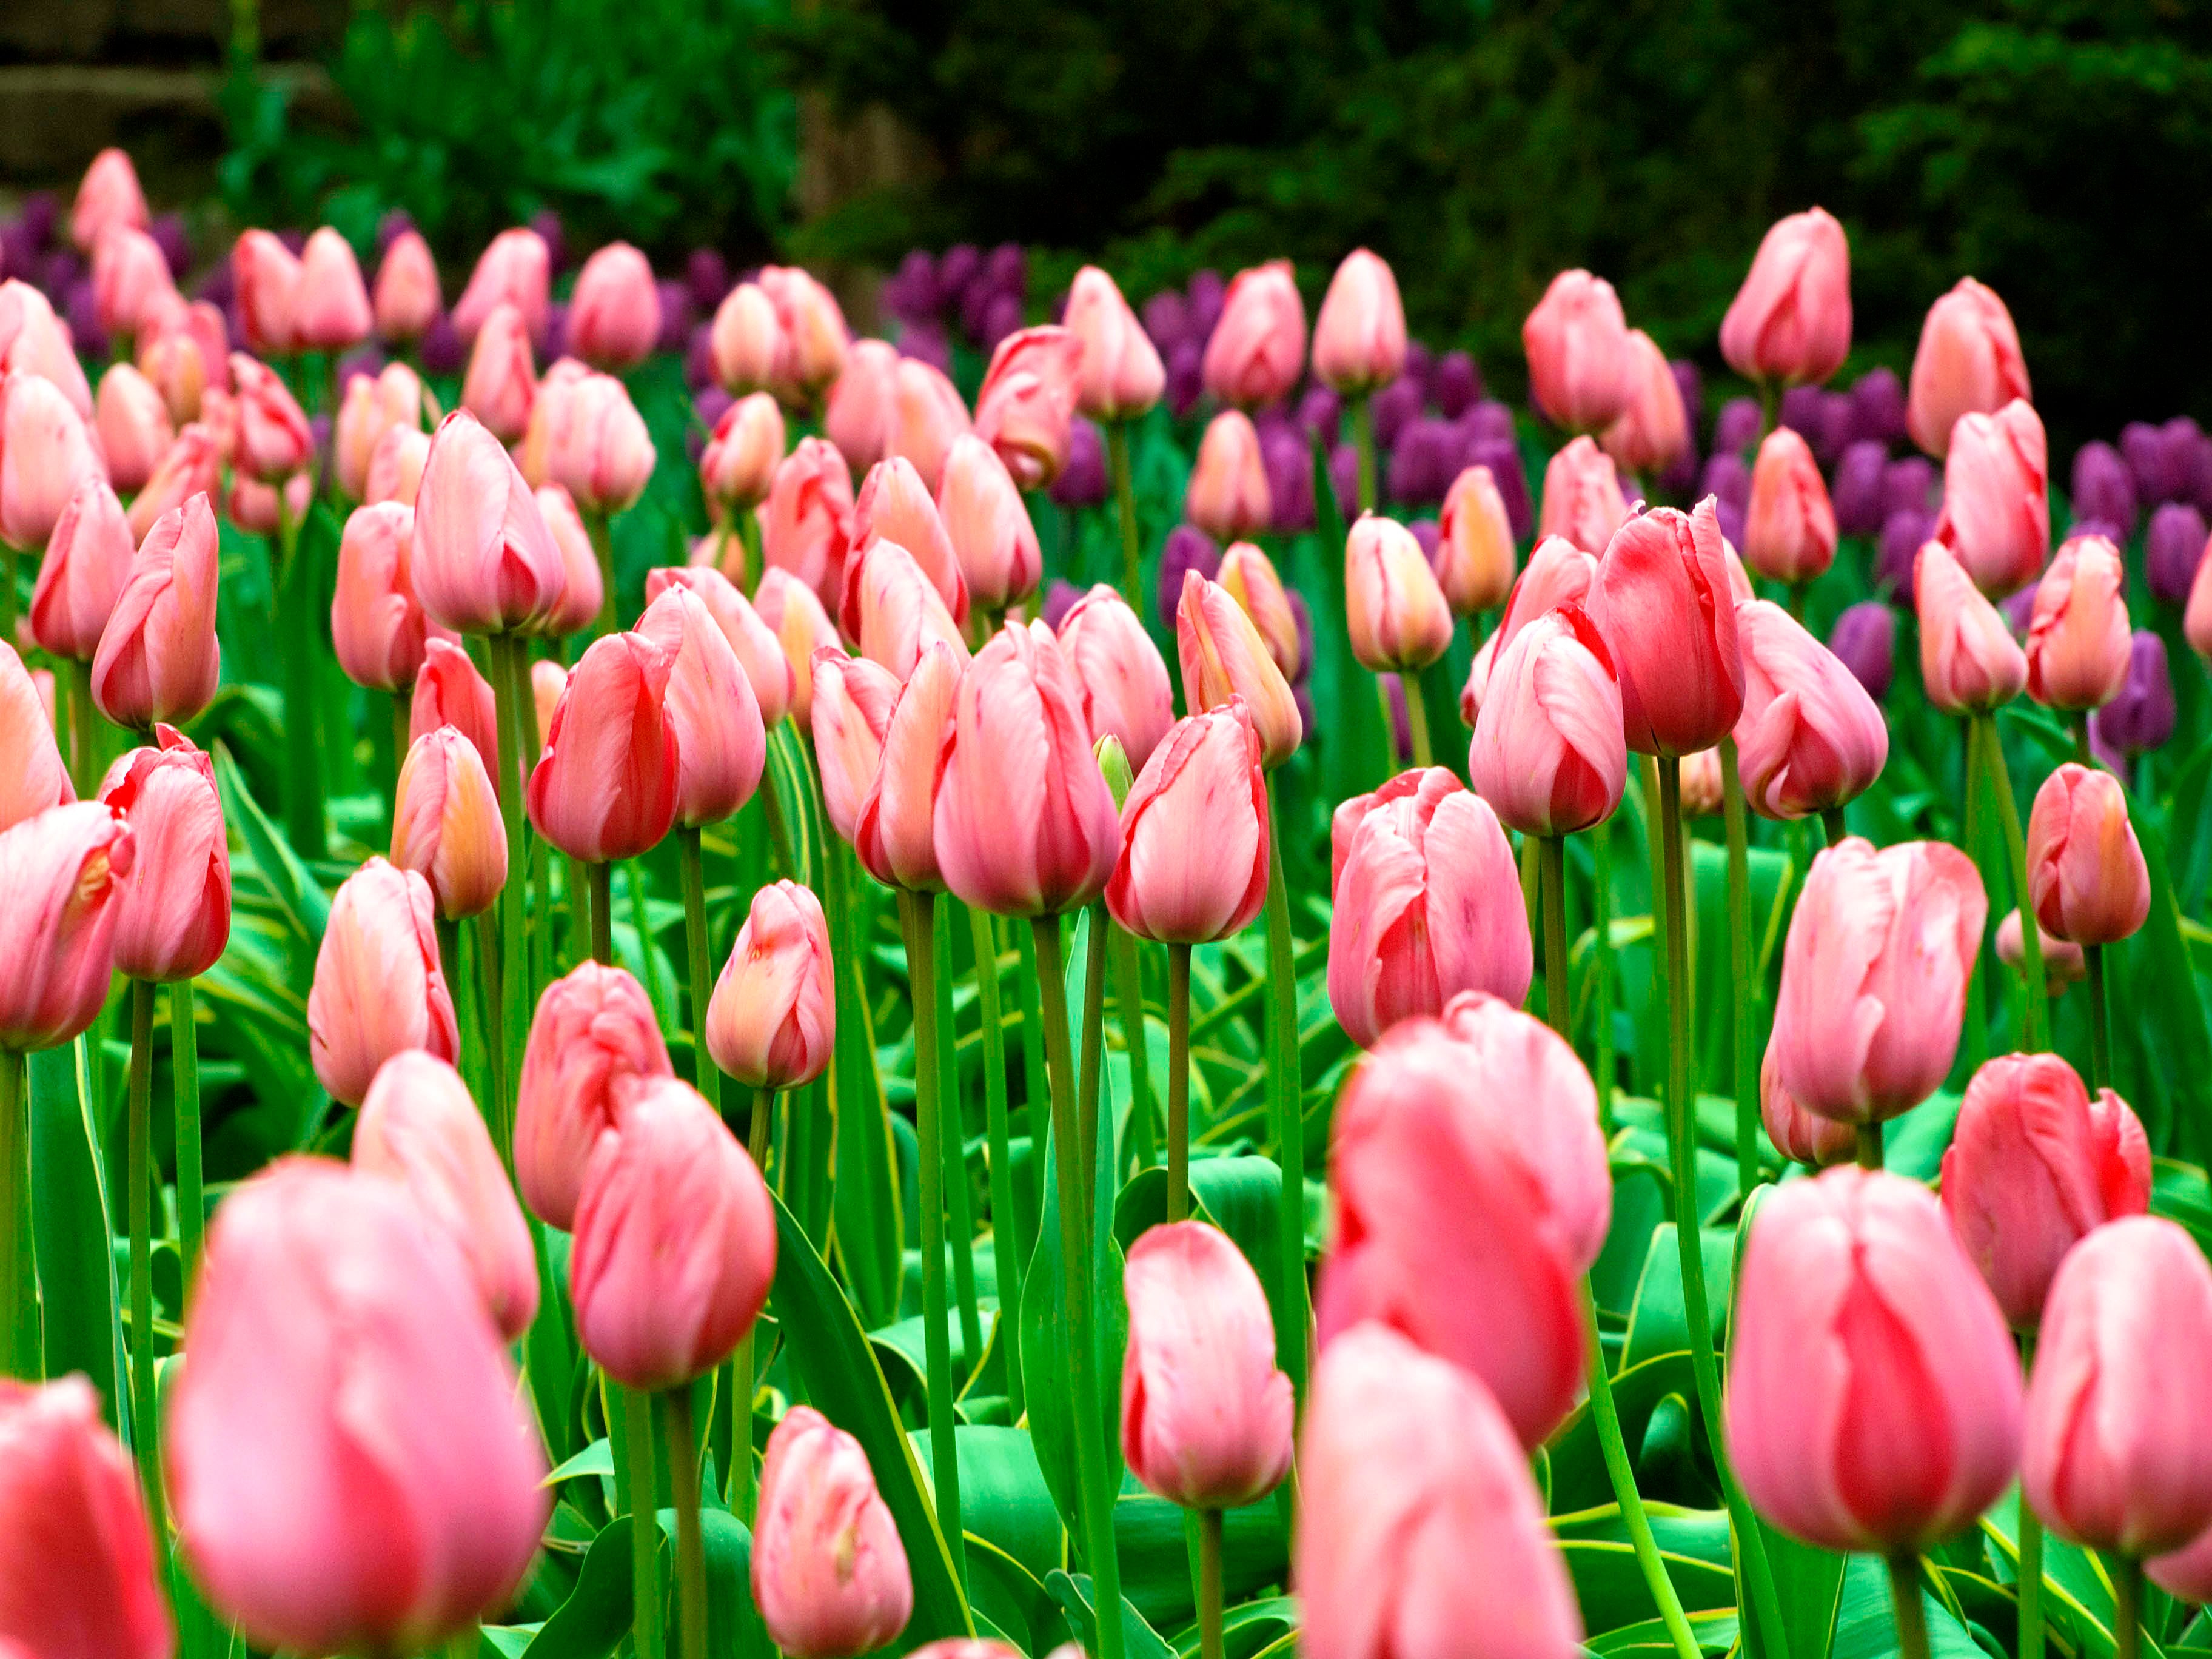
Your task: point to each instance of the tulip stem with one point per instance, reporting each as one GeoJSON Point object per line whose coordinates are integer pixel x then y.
{"type": "Point", "coordinates": [84, 758]}
{"type": "Point", "coordinates": [1363, 443]}
{"type": "Point", "coordinates": [2081, 750]}
{"type": "Point", "coordinates": [2031, 938]}
{"type": "Point", "coordinates": [1831, 825]}
{"type": "Point", "coordinates": [18, 1278]}
{"type": "Point", "coordinates": [600, 880]}
{"type": "Point", "coordinates": [1128, 976]}
{"type": "Point", "coordinates": [1416, 719]}
{"type": "Point", "coordinates": [489, 988]}
{"type": "Point", "coordinates": [145, 1433]}
{"type": "Point", "coordinates": [1742, 1036]}
{"type": "Point", "coordinates": [2127, 1606]}
{"type": "Point", "coordinates": [1178, 1081]}
{"type": "Point", "coordinates": [739, 1488]}
{"type": "Point", "coordinates": [1005, 1244]}
{"type": "Point", "coordinates": [1209, 1584]}
{"type": "Point", "coordinates": [1622, 1474]}
{"type": "Point", "coordinates": [698, 950]}
{"type": "Point", "coordinates": [603, 545]}
{"type": "Point", "coordinates": [1094, 1039]}
{"type": "Point", "coordinates": [1911, 1617]}
{"type": "Point", "coordinates": [749, 537]}
{"type": "Point", "coordinates": [1389, 726]}
{"type": "Point", "coordinates": [2030, 1578]}
{"type": "Point", "coordinates": [1869, 1145]}
{"type": "Point", "coordinates": [1284, 1091]}
{"type": "Point", "coordinates": [1970, 837]}
{"type": "Point", "coordinates": [1036, 1090]}
{"type": "Point", "coordinates": [505, 1026]}
{"type": "Point", "coordinates": [1683, 1147]}
{"type": "Point", "coordinates": [1601, 997]}
{"type": "Point", "coordinates": [691, 1553]}
{"type": "Point", "coordinates": [958, 1202]}
{"type": "Point", "coordinates": [1075, 1273]}
{"type": "Point", "coordinates": [916, 919]}
{"type": "Point", "coordinates": [644, 1523]}
{"type": "Point", "coordinates": [303, 737]}
{"type": "Point", "coordinates": [1125, 503]}
{"type": "Point", "coordinates": [2100, 1039]}
{"type": "Point", "coordinates": [1552, 862]}
{"type": "Point", "coordinates": [185, 1058]}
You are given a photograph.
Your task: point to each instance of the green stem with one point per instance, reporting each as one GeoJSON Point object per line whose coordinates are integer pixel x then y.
{"type": "Point", "coordinates": [1970, 837]}
{"type": "Point", "coordinates": [490, 990]}
{"type": "Point", "coordinates": [1285, 1089]}
{"type": "Point", "coordinates": [2127, 1606]}
{"type": "Point", "coordinates": [11, 575]}
{"type": "Point", "coordinates": [1743, 1037]}
{"type": "Point", "coordinates": [1552, 863]}
{"type": "Point", "coordinates": [748, 533]}
{"type": "Point", "coordinates": [690, 1552]}
{"type": "Point", "coordinates": [1869, 1145]}
{"type": "Point", "coordinates": [1389, 726]}
{"type": "Point", "coordinates": [1601, 997]}
{"type": "Point", "coordinates": [1622, 1474]}
{"type": "Point", "coordinates": [1363, 440]}
{"type": "Point", "coordinates": [1178, 1081]}
{"type": "Point", "coordinates": [1093, 1051]}
{"type": "Point", "coordinates": [145, 1416]}
{"type": "Point", "coordinates": [540, 931]}
{"type": "Point", "coordinates": [19, 1282]}
{"type": "Point", "coordinates": [603, 545]}
{"type": "Point", "coordinates": [2080, 724]}
{"type": "Point", "coordinates": [1798, 602]}
{"type": "Point", "coordinates": [2030, 1579]}
{"type": "Point", "coordinates": [739, 1489]}
{"type": "Point", "coordinates": [303, 737]}
{"type": "Point", "coordinates": [644, 1521]}
{"type": "Point", "coordinates": [1125, 503]}
{"type": "Point", "coordinates": [1129, 980]}
{"type": "Point", "coordinates": [1417, 717]}
{"type": "Point", "coordinates": [1075, 1262]}
{"type": "Point", "coordinates": [84, 753]}
{"type": "Point", "coordinates": [517, 713]}
{"type": "Point", "coordinates": [2031, 938]}
{"type": "Point", "coordinates": [600, 880]}
{"type": "Point", "coordinates": [959, 1207]}
{"type": "Point", "coordinates": [1911, 1617]}
{"type": "Point", "coordinates": [640, 923]}
{"type": "Point", "coordinates": [2101, 1040]}
{"type": "Point", "coordinates": [577, 899]}
{"type": "Point", "coordinates": [1831, 825]}
{"type": "Point", "coordinates": [184, 1060]}
{"type": "Point", "coordinates": [1209, 1584]}
{"type": "Point", "coordinates": [698, 951]}
{"type": "Point", "coordinates": [1006, 1240]}
{"type": "Point", "coordinates": [1035, 1090]}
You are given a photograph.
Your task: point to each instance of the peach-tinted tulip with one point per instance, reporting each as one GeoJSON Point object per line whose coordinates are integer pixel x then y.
{"type": "Point", "coordinates": [32, 775]}
{"type": "Point", "coordinates": [157, 658]}
{"type": "Point", "coordinates": [1810, 737]}
{"type": "Point", "coordinates": [1547, 753]}
{"type": "Point", "coordinates": [1660, 597]}
{"type": "Point", "coordinates": [483, 561]}
{"type": "Point", "coordinates": [895, 830]}
{"type": "Point", "coordinates": [1206, 1416]}
{"type": "Point", "coordinates": [408, 298]}
{"type": "Point", "coordinates": [1790, 530]}
{"type": "Point", "coordinates": [2063, 961]}
{"type": "Point", "coordinates": [1873, 977]}
{"type": "Point", "coordinates": [1427, 905]}
{"type": "Point", "coordinates": [1476, 549]}
{"type": "Point", "coordinates": [595, 444]}
{"type": "Point", "coordinates": [1250, 577]}
{"type": "Point", "coordinates": [1026, 825]}
{"type": "Point", "coordinates": [1027, 399]}
{"type": "Point", "coordinates": [830, 1575]}
{"type": "Point", "coordinates": [759, 652]}
{"type": "Point", "coordinates": [720, 743]}
{"type": "Point", "coordinates": [1227, 495]}
{"type": "Point", "coordinates": [1969, 661]}
{"type": "Point", "coordinates": [897, 609]}
{"type": "Point", "coordinates": [77, 1573]}
{"type": "Point", "coordinates": [605, 788]}
{"type": "Point", "coordinates": [1800, 1136]}
{"type": "Point", "coordinates": [852, 700]}
{"type": "Point", "coordinates": [446, 825]}
{"type": "Point", "coordinates": [1122, 374]}
{"type": "Point", "coordinates": [1997, 506]}
{"type": "Point", "coordinates": [1126, 693]}
{"type": "Point", "coordinates": [1195, 855]}
{"type": "Point", "coordinates": [994, 542]}
{"type": "Point", "coordinates": [548, 679]}
{"type": "Point", "coordinates": [1790, 322]}
{"type": "Point", "coordinates": [2078, 640]}
{"type": "Point", "coordinates": [747, 343]}
{"type": "Point", "coordinates": [894, 505]}
{"type": "Point", "coordinates": [64, 869]}
{"type": "Point", "coordinates": [185, 351]}
{"type": "Point", "coordinates": [501, 385]}
{"type": "Point", "coordinates": [675, 1242]}
{"type": "Point", "coordinates": [87, 560]}
{"type": "Point", "coordinates": [1652, 431]}
{"type": "Point", "coordinates": [332, 312]}
{"type": "Point", "coordinates": [130, 280]}
{"type": "Point", "coordinates": [192, 466]}
{"type": "Point", "coordinates": [254, 506]}
{"type": "Point", "coordinates": [516, 269]}
{"type": "Point", "coordinates": [266, 275]}
{"type": "Point", "coordinates": [1223, 654]}
{"type": "Point", "coordinates": [33, 341]}
{"type": "Point", "coordinates": [772, 1019]}
{"type": "Point", "coordinates": [2117, 1452]}
{"type": "Point", "coordinates": [274, 440]}
{"type": "Point", "coordinates": [2084, 866]}
{"type": "Point", "coordinates": [1873, 1399]}
{"type": "Point", "coordinates": [108, 194]}
{"type": "Point", "coordinates": [1419, 1522]}
{"type": "Point", "coordinates": [133, 424]}
{"type": "Point", "coordinates": [808, 517]}
{"type": "Point", "coordinates": [614, 310]}
{"type": "Point", "coordinates": [1394, 611]}
{"type": "Point", "coordinates": [378, 631]}
{"type": "Point", "coordinates": [1703, 784]}
{"type": "Point", "coordinates": [449, 691]}
{"type": "Point", "coordinates": [739, 460]}
{"type": "Point", "coordinates": [813, 328]}
{"type": "Point", "coordinates": [2035, 1164]}
{"type": "Point", "coordinates": [863, 404]}
{"type": "Point", "coordinates": [419, 1128]}
{"type": "Point", "coordinates": [583, 591]}
{"type": "Point", "coordinates": [173, 914]}
{"type": "Point", "coordinates": [395, 466]}
{"type": "Point", "coordinates": [379, 986]}
{"type": "Point", "coordinates": [802, 627]}
{"type": "Point", "coordinates": [1968, 363]}
{"type": "Point", "coordinates": [593, 1042]}
{"type": "Point", "coordinates": [1258, 348]}
{"type": "Point", "coordinates": [1583, 502]}
{"type": "Point", "coordinates": [1577, 341]}
{"type": "Point", "coordinates": [1558, 573]}
{"type": "Point", "coordinates": [1359, 334]}
{"type": "Point", "coordinates": [46, 449]}
{"type": "Point", "coordinates": [334, 1494]}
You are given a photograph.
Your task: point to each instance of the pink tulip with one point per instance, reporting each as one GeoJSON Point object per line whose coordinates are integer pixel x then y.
{"type": "Point", "coordinates": [1126, 694]}
{"type": "Point", "coordinates": [1790, 531]}
{"type": "Point", "coordinates": [2078, 640]}
{"type": "Point", "coordinates": [894, 505]}
{"type": "Point", "coordinates": [808, 518]}
{"type": "Point", "coordinates": [378, 631]}
{"type": "Point", "coordinates": [853, 703]}
{"type": "Point", "coordinates": [1810, 737]}
{"type": "Point", "coordinates": [483, 561]}
{"type": "Point", "coordinates": [1418, 1514]}
{"type": "Point", "coordinates": [583, 590]}
{"type": "Point", "coordinates": [675, 1242]}
{"type": "Point", "coordinates": [992, 536]}
{"type": "Point", "coordinates": [332, 314]}
{"type": "Point", "coordinates": [894, 833]}
{"type": "Point", "coordinates": [1258, 347]}
{"type": "Point", "coordinates": [830, 1575]}
{"type": "Point", "coordinates": [1224, 655]}
{"type": "Point", "coordinates": [1583, 502]}
{"type": "Point", "coordinates": [32, 775]}
{"type": "Point", "coordinates": [605, 788]}
{"type": "Point", "coordinates": [547, 680]}
{"type": "Point", "coordinates": [374, 406]}
{"type": "Point", "coordinates": [1800, 1136]}
{"type": "Point", "coordinates": [2084, 866]}
{"type": "Point", "coordinates": [614, 311]}
{"type": "Point", "coordinates": [1194, 843]}
{"type": "Point", "coordinates": [265, 276]}
{"type": "Point", "coordinates": [759, 652]}
{"type": "Point", "coordinates": [720, 745]}
{"type": "Point", "coordinates": [863, 404]}
{"type": "Point", "coordinates": [593, 1042]}
{"type": "Point", "coordinates": [1476, 549]}
{"type": "Point", "coordinates": [772, 1020]}
{"type": "Point", "coordinates": [192, 466]}
{"type": "Point", "coordinates": [1873, 977]}
{"type": "Point", "coordinates": [1578, 359]}
{"type": "Point", "coordinates": [1559, 573]}
{"type": "Point", "coordinates": [407, 299]}
{"type": "Point", "coordinates": [1547, 754]}
{"type": "Point", "coordinates": [1661, 598]}
{"type": "Point", "coordinates": [1969, 661]}
{"type": "Point", "coordinates": [2118, 1449]}
{"type": "Point", "coordinates": [1873, 1399]}
{"type": "Point", "coordinates": [1026, 400]}
{"type": "Point", "coordinates": [46, 449]}
{"type": "Point", "coordinates": [1968, 363]}
{"type": "Point", "coordinates": [1359, 335]}
{"type": "Point", "coordinates": [133, 426]}
{"type": "Point", "coordinates": [448, 692]}
{"type": "Point", "coordinates": [1025, 823]}
{"type": "Point", "coordinates": [1250, 577]}
{"type": "Point", "coordinates": [740, 458]}
{"type": "Point", "coordinates": [107, 196]}
{"type": "Point", "coordinates": [253, 507]}
{"type": "Point", "coordinates": [896, 608]}
{"type": "Point", "coordinates": [274, 440]}
{"type": "Point", "coordinates": [1205, 1415]}
{"type": "Point", "coordinates": [157, 658]}
{"type": "Point", "coordinates": [815, 340]}
{"type": "Point", "coordinates": [1790, 322]}
{"type": "Point", "coordinates": [1394, 611]}
{"type": "Point", "coordinates": [173, 914]}
{"type": "Point", "coordinates": [1652, 432]}
{"type": "Point", "coordinates": [2064, 963]}
{"type": "Point", "coordinates": [514, 268]}
{"type": "Point", "coordinates": [748, 344]}
{"type": "Point", "coordinates": [1227, 495]}
{"type": "Point", "coordinates": [788, 607]}
{"type": "Point", "coordinates": [446, 824]}
{"type": "Point", "coordinates": [87, 560]}
{"type": "Point", "coordinates": [1703, 784]}
{"type": "Point", "coordinates": [1996, 507]}
{"type": "Point", "coordinates": [594, 442]}
{"type": "Point", "coordinates": [395, 466]}
{"type": "Point", "coordinates": [184, 351]}
{"type": "Point", "coordinates": [2033, 1165]}
{"type": "Point", "coordinates": [419, 1128]}
{"type": "Point", "coordinates": [33, 341]}
{"type": "Point", "coordinates": [927, 417]}
{"type": "Point", "coordinates": [66, 867]}
{"type": "Point", "coordinates": [501, 385]}
{"type": "Point", "coordinates": [290, 1438]}
{"type": "Point", "coordinates": [379, 986]}
{"type": "Point", "coordinates": [1122, 374]}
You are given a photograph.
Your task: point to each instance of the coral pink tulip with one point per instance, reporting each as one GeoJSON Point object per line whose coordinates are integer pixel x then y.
{"type": "Point", "coordinates": [185, 352]}
{"type": "Point", "coordinates": [133, 424]}
{"type": "Point", "coordinates": [1661, 598]}
{"type": "Point", "coordinates": [1969, 661]}
{"type": "Point", "coordinates": [107, 196]}
{"type": "Point", "coordinates": [332, 312]}
{"type": "Point", "coordinates": [395, 466]}
{"type": "Point", "coordinates": [33, 341]}
{"type": "Point", "coordinates": [593, 1041]}
{"type": "Point", "coordinates": [1194, 852]}
{"type": "Point", "coordinates": [378, 629]}
{"type": "Point", "coordinates": [157, 658]}
{"type": "Point", "coordinates": [484, 562]}
{"type": "Point", "coordinates": [1652, 431]}
{"type": "Point", "coordinates": [408, 298]}
{"type": "Point", "coordinates": [1126, 693]}
{"type": "Point", "coordinates": [1577, 341]}
{"type": "Point", "coordinates": [548, 679]}
{"type": "Point", "coordinates": [1790, 322]}
{"type": "Point", "coordinates": [1359, 334]}
{"type": "Point", "coordinates": [583, 590]}
{"type": "Point", "coordinates": [773, 1019]}
{"type": "Point", "coordinates": [1251, 578]}
{"type": "Point", "coordinates": [2078, 639]}
{"type": "Point", "coordinates": [274, 440]}
{"type": "Point", "coordinates": [863, 404]}
{"type": "Point", "coordinates": [605, 788]}
{"type": "Point", "coordinates": [815, 340]}
{"type": "Point", "coordinates": [1790, 530]}
{"type": "Point", "coordinates": [747, 343]}
{"type": "Point", "coordinates": [720, 743]}
{"type": "Point", "coordinates": [446, 824]}
{"type": "Point", "coordinates": [614, 311]}
{"type": "Point", "coordinates": [65, 868]}
{"type": "Point", "coordinates": [1810, 737]}
{"type": "Point", "coordinates": [1258, 347]}
{"type": "Point", "coordinates": [501, 386]}
{"type": "Point", "coordinates": [1968, 363]}
{"type": "Point", "coordinates": [759, 652]}
{"type": "Point", "coordinates": [1475, 551]}
{"type": "Point", "coordinates": [1122, 374]}
{"type": "Point", "coordinates": [830, 1575]}
{"type": "Point", "coordinates": [1027, 400]}
{"type": "Point", "coordinates": [379, 986]}
{"type": "Point", "coordinates": [593, 442]}
{"type": "Point", "coordinates": [46, 449]}
{"type": "Point", "coordinates": [448, 692]}
{"type": "Point", "coordinates": [514, 268]}
{"type": "Point", "coordinates": [1800, 1136]}
{"type": "Point", "coordinates": [1227, 495]}
{"type": "Point", "coordinates": [2084, 866]}
{"type": "Point", "coordinates": [1394, 611]}
{"type": "Point", "coordinates": [1547, 754]}
{"type": "Point", "coordinates": [1997, 506]}
{"type": "Point", "coordinates": [1223, 655]}
{"type": "Point", "coordinates": [32, 775]}
{"type": "Point", "coordinates": [739, 460]}
{"type": "Point", "coordinates": [894, 832]}
{"type": "Point", "coordinates": [2063, 961]}
{"type": "Point", "coordinates": [927, 416]}
{"type": "Point", "coordinates": [87, 560]}
{"type": "Point", "coordinates": [192, 466]}
{"type": "Point", "coordinates": [807, 519]}
{"type": "Point", "coordinates": [894, 505]}
{"type": "Point", "coordinates": [788, 608]}
{"type": "Point", "coordinates": [853, 703]}
{"type": "Point", "coordinates": [173, 914]}
{"type": "Point", "coordinates": [896, 608]}
{"type": "Point", "coordinates": [265, 277]}
{"type": "Point", "coordinates": [994, 542]}
{"type": "Point", "coordinates": [1583, 502]}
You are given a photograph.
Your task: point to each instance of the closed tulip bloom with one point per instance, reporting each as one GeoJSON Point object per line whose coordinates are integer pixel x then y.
{"type": "Point", "coordinates": [332, 313]}
{"type": "Point", "coordinates": [65, 868]}
{"type": "Point", "coordinates": [605, 788]}
{"type": "Point", "coordinates": [419, 1128]}
{"type": "Point", "coordinates": [1227, 495]}
{"type": "Point", "coordinates": [1195, 855]}
{"type": "Point", "coordinates": [1394, 611]}
{"type": "Point", "coordinates": [853, 698]}
{"type": "Point", "coordinates": [548, 679]}
{"type": "Point", "coordinates": [1652, 433]}
{"type": "Point", "coordinates": [830, 1575]}
{"type": "Point", "coordinates": [108, 194]}
{"type": "Point", "coordinates": [379, 986]}
{"type": "Point", "coordinates": [595, 444]}
{"type": "Point", "coordinates": [927, 417]}
{"type": "Point", "coordinates": [1472, 1194]}
{"type": "Point", "coordinates": [895, 830]}
{"type": "Point", "coordinates": [898, 610]}
{"type": "Point", "coordinates": [992, 536]}
{"type": "Point", "coordinates": [514, 268]}
{"type": "Point", "coordinates": [192, 466]}
{"type": "Point", "coordinates": [185, 352]}
{"type": "Point", "coordinates": [1205, 1415]}
{"type": "Point", "coordinates": [1790, 322]}
{"type": "Point", "coordinates": [1250, 577]}
{"type": "Point", "coordinates": [254, 506]}
{"type": "Point", "coordinates": [1864, 639]}
{"type": "Point", "coordinates": [2064, 963]}
{"type": "Point", "coordinates": [863, 404]}
{"type": "Point", "coordinates": [1257, 349]}
{"type": "Point", "coordinates": [378, 629]}
{"type": "Point", "coordinates": [446, 824]}
{"type": "Point", "coordinates": [407, 299]}
{"type": "Point", "coordinates": [265, 277]}
{"type": "Point", "coordinates": [157, 658]}
{"type": "Point", "coordinates": [133, 424]}
{"type": "Point", "coordinates": [289, 1438]}
{"type": "Point", "coordinates": [32, 775]}
{"type": "Point", "coordinates": [772, 1020]}
{"type": "Point", "coordinates": [1547, 753]}
{"type": "Point", "coordinates": [583, 589]}
{"type": "Point", "coordinates": [814, 335]}
{"type": "Point", "coordinates": [1662, 598]}
{"type": "Point", "coordinates": [1811, 737]}
{"type": "Point", "coordinates": [87, 560]}
{"type": "Point", "coordinates": [46, 449]}
{"type": "Point", "coordinates": [1359, 335]}
{"type": "Point", "coordinates": [1027, 399]}
{"type": "Point", "coordinates": [1583, 502]}
{"type": "Point", "coordinates": [1874, 1398]}
{"type": "Point", "coordinates": [2084, 866]}
{"type": "Point", "coordinates": [1873, 977]}
{"type": "Point", "coordinates": [2033, 1165]}
{"type": "Point", "coordinates": [1126, 693]}
{"type": "Point", "coordinates": [484, 562]}
{"type": "Point", "coordinates": [2117, 1454]}
{"type": "Point", "coordinates": [2141, 718]}
{"type": "Point", "coordinates": [501, 385]}
{"type": "Point", "coordinates": [173, 914]}
{"type": "Point", "coordinates": [748, 343]}
{"type": "Point", "coordinates": [274, 440]}
{"type": "Point", "coordinates": [1427, 905]}
{"type": "Point", "coordinates": [759, 652]}
{"type": "Point", "coordinates": [395, 466]}
{"type": "Point", "coordinates": [1996, 507]}
{"type": "Point", "coordinates": [1969, 661]}
{"type": "Point", "coordinates": [720, 743]}
{"type": "Point", "coordinates": [1559, 573]}
{"type": "Point", "coordinates": [1475, 551]}
{"type": "Point", "coordinates": [2078, 640]}
{"type": "Point", "coordinates": [808, 517]}
{"type": "Point", "coordinates": [1800, 1136]}
{"type": "Point", "coordinates": [1968, 363]}
{"type": "Point", "coordinates": [739, 460]}
{"type": "Point", "coordinates": [593, 1040]}
{"type": "Point", "coordinates": [449, 691]}
{"type": "Point", "coordinates": [614, 311]}
{"type": "Point", "coordinates": [78, 1574]}
{"type": "Point", "coordinates": [894, 505]}
{"type": "Point", "coordinates": [1122, 374]}
{"type": "Point", "coordinates": [1577, 340]}
{"type": "Point", "coordinates": [1025, 823]}
{"type": "Point", "coordinates": [1224, 655]}
{"type": "Point", "coordinates": [2173, 550]}
{"type": "Point", "coordinates": [1790, 531]}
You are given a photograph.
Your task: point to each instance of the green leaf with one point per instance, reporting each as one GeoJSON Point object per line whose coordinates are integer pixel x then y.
{"type": "Point", "coordinates": [70, 1228]}
{"type": "Point", "coordinates": [598, 1614]}
{"type": "Point", "coordinates": [1074, 1593]}
{"type": "Point", "coordinates": [1579, 1476]}
{"type": "Point", "coordinates": [1657, 1323]}
{"type": "Point", "coordinates": [1003, 1499]}
{"type": "Point", "coordinates": [1866, 1619]}
{"type": "Point", "coordinates": [299, 898]}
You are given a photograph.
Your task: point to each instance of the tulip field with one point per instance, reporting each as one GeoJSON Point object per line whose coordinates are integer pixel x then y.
{"type": "Point", "coordinates": [1136, 975]}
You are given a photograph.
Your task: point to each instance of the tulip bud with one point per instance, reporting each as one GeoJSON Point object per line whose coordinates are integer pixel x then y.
{"type": "Point", "coordinates": [1026, 401]}
{"type": "Point", "coordinates": [1864, 639]}
{"type": "Point", "coordinates": [772, 1020]}
{"type": "Point", "coordinates": [258, 508]}
{"type": "Point", "coordinates": [192, 467]}
{"type": "Point", "coordinates": [2063, 963]}
{"type": "Point", "coordinates": [501, 383]}
{"type": "Point", "coordinates": [1195, 845]}
{"type": "Point", "coordinates": [898, 610]}
{"type": "Point", "coordinates": [748, 344]}
{"type": "Point", "coordinates": [1968, 363]}
{"type": "Point", "coordinates": [33, 341]}
{"type": "Point", "coordinates": [1789, 531]}
{"type": "Point", "coordinates": [1660, 597]}
{"type": "Point", "coordinates": [2141, 717]}
{"type": "Point", "coordinates": [1583, 502]}
{"type": "Point", "coordinates": [893, 506]}
{"type": "Point", "coordinates": [32, 775]}
{"type": "Point", "coordinates": [894, 830]}
{"type": "Point", "coordinates": [108, 194]}
{"type": "Point", "coordinates": [1359, 335]}
{"type": "Point", "coordinates": [395, 466]}
{"type": "Point", "coordinates": [446, 824]}
{"type": "Point", "coordinates": [927, 416]}
{"type": "Point", "coordinates": [1811, 737]}
{"type": "Point", "coordinates": [448, 692]}
{"type": "Point", "coordinates": [760, 653]}
{"type": "Point", "coordinates": [863, 404]}
{"type": "Point", "coordinates": [830, 1575]}
{"type": "Point", "coordinates": [157, 658]}
{"type": "Point", "coordinates": [1394, 611]}
{"type": "Point", "coordinates": [1227, 495]}
{"type": "Point", "coordinates": [265, 278]}
{"type": "Point", "coordinates": [2078, 640]}
{"type": "Point", "coordinates": [1790, 322]}
{"type": "Point", "coordinates": [1652, 433]}
{"type": "Point", "coordinates": [1996, 510]}
{"type": "Point", "coordinates": [133, 426]}
{"type": "Point", "coordinates": [992, 538]}
{"type": "Point", "coordinates": [379, 986]}
{"type": "Point", "coordinates": [1969, 660]}
{"type": "Point", "coordinates": [605, 788]}
{"type": "Point", "coordinates": [172, 913]}
{"type": "Point", "coordinates": [1122, 375]}
{"type": "Point", "coordinates": [1873, 1399]}
{"type": "Point", "coordinates": [378, 631]}
{"type": "Point", "coordinates": [407, 300]}
{"type": "Point", "coordinates": [484, 562]}
{"type": "Point", "coordinates": [1578, 358]}
{"type": "Point", "coordinates": [1223, 655]}
{"type": "Point", "coordinates": [720, 745]}
{"type": "Point", "coordinates": [852, 699]}
{"type": "Point", "coordinates": [1248, 576]}
{"type": "Point", "coordinates": [332, 313]}
{"type": "Point", "coordinates": [1475, 552]}
{"type": "Point", "coordinates": [583, 590]}
{"type": "Point", "coordinates": [807, 520]}
{"type": "Point", "coordinates": [87, 560]}
{"type": "Point", "coordinates": [274, 440]}
{"type": "Point", "coordinates": [2084, 866]}
{"type": "Point", "coordinates": [2174, 548]}
{"type": "Point", "coordinates": [1802, 1137]}
{"type": "Point", "coordinates": [65, 868]}
{"type": "Point", "coordinates": [814, 338]}
{"type": "Point", "coordinates": [614, 311]}
{"type": "Point", "coordinates": [594, 444]}
{"type": "Point", "coordinates": [739, 460]}
{"type": "Point", "coordinates": [593, 1042]}
{"type": "Point", "coordinates": [47, 451]}
{"type": "Point", "coordinates": [1126, 694]}
{"type": "Point", "coordinates": [516, 268]}
{"type": "Point", "coordinates": [1258, 348]}
{"type": "Point", "coordinates": [183, 352]}
{"type": "Point", "coordinates": [1548, 755]}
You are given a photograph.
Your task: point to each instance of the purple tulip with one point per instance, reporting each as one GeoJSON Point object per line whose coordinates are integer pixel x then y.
{"type": "Point", "coordinates": [367, 358]}
{"type": "Point", "coordinates": [556, 342]}
{"type": "Point", "coordinates": [1908, 484]}
{"type": "Point", "coordinates": [926, 341]}
{"type": "Point", "coordinates": [1423, 463]}
{"type": "Point", "coordinates": [1393, 409]}
{"type": "Point", "coordinates": [442, 351]}
{"type": "Point", "coordinates": [1804, 412]}
{"type": "Point", "coordinates": [217, 285]}
{"type": "Point", "coordinates": [1428, 534]}
{"type": "Point", "coordinates": [2143, 447]}
{"type": "Point", "coordinates": [2020, 608]}
{"type": "Point", "coordinates": [1303, 616]}
{"type": "Point", "coordinates": [41, 213]}
{"type": "Point", "coordinates": [1167, 320]}
{"type": "Point", "coordinates": [1456, 384]}
{"type": "Point", "coordinates": [1904, 532]}
{"type": "Point", "coordinates": [705, 279]}
{"type": "Point", "coordinates": [1502, 458]}
{"type": "Point", "coordinates": [63, 271]}
{"type": "Point", "coordinates": [1208, 293]}
{"type": "Point", "coordinates": [295, 240]}
{"type": "Point", "coordinates": [547, 223]}
{"type": "Point", "coordinates": [712, 403]}
{"type": "Point", "coordinates": [2141, 717]}
{"type": "Point", "coordinates": [1186, 376]}
{"type": "Point", "coordinates": [1008, 269]}
{"type": "Point", "coordinates": [1286, 454]}
{"type": "Point", "coordinates": [83, 315]}
{"type": "Point", "coordinates": [909, 293]}
{"type": "Point", "coordinates": [1188, 548]}
{"type": "Point", "coordinates": [2103, 488]}
{"type": "Point", "coordinates": [168, 231]}
{"type": "Point", "coordinates": [1730, 518]}
{"type": "Point", "coordinates": [1690, 381]}
{"type": "Point", "coordinates": [1082, 481]}
{"type": "Point", "coordinates": [1320, 413]}
{"type": "Point", "coordinates": [1864, 639]}
{"type": "Point", "coordinates": [1737, 428]}
{"type": "Point", "coordinates": [1855, 494]}
{"type": "Point", "coordinates": [1344, 480]}
{"type": "Point", "coordinates": [1839, 426]}
{"type": "Point", "coordinates": [1001, 316]}
{"type": "Point", "coordinates": [1727, 478]}
{"type": "Point", "coordinates": [699, 356]}
{"type": "Point", "coordinates": [1679, 477]}
{"type": "Point", "coordinates": [2173, 547]}
{"type": "Point", "coordinates": [675, 315]}
{"type": "Point", "coordinates": [1059, 597]}
{"type": "Point", "coordinates": [1490, 421]}
{"type": "Point", "coordinates": [1879, 396]}
{"type": "Point", "coordinates": [1421, 368]}
{"type": "Point", "coordinates": [395, 224]}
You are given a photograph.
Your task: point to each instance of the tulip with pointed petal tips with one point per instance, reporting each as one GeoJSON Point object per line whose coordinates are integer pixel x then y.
{"type": "Point", "coordinates": [1227, 495]}
{"type": "Point", "coordinates": [605, 788]}
{"type": "Point", "coordinates": [1790, 322]}
{"type": "Point", "coordinates": [332, 312]}
{"type": "Point", "coordinates": [830, 1575]}
{"type": "Point", "coordinates": [158, 659]}
{"type": "Point", "coordinates": [894, 505]}
{"type": "Point", "coordinates": [1475, 551]}
{"type": "Point", "coordinates": [1026, 401]}
{"type": "Point", "coordinates": [1548, 754]}
{"type": "Point", "coordinates": [501, 385]}
{"type": "Point", "coordinates": [1195, 846]}
{"type": "Point", "coordinates": [88, 561]}
{"type": "Point", "coordinates": [407, 299]}
{"type": "Point", "coordinates": [739, 460]}
{"type": "Point", "coordinates": [484, 562]}
{"type": "Point", "coordinates": [32, 775]}
{"type": "Point", "coordinates": [1577, 341]}
{"type": "Point", "coordinates": [614, 311]}
{"type": "Point", "coordinates": [173, 914]}
{"type": "Point", "coordinates": [2078, 640]}
{"type": "Point", "coordinates": [1968, 363]}
{"type": "Point", "coordinates": [446, 824]}
{"type": "Point", "coordinates": [1224, 655]}
{"type": "Point", "coordinates": [449, 691]}
{"type": "Point", "coordinates": [1996, 507]}
{"type": "Point", "coordinates": [378, 631]}
{"type": "Point", "coordinates": [894, 832]}
{"type": "Point", "coordinates": [772, 1021]}
{"type": "Point", "coordinates": [1810, 737]}
{"type": "Point", "coordinates": [108, 194]}
{"type": "Point", "coordinates": [1126, 693]}
{"type": "Point", "coordinates": [992, 536]}
{"type": "Point", "coordinates": [379, 986]}
{"type": "Point", "coordinates": [1258, 348]}
{"type": "Point", "coordinates": [1652, 432]}
{"type": "Point", "coordinates": [192, 466]}
{"type": "Point", "coordinates": [1662, 598]}
{"type": "Point", "coordinates": [721, 746]}
{"type": "Point", "coordinates": [2084, 866]}
{"type": "Point", "coordinates": [1582, 501]}
{"type": "Point", "coordinates": [515, 268]}
{"type": "Point", "coordinates": [593, 1041]}
{"type": "Point", "coordinates": [1122, 374]}
{"type": "Point", "coordinates": [1790, 530]}
{"type": "Point", "coordinates": [1969, 661]}
{"type": "Point", "coordinates": [1394, 611]}
{"type": "Point", "coordinates": [46, 449]}
{"type": "Point", "coordinates": [265, 276]}
{"type": "Point", "coordinates": [759, 652]}
{"type": "Point", "coordinates": [807, 519]}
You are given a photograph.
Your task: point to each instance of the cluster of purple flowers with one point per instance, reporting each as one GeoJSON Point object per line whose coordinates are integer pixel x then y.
{"type": "Point", "coordinates": [34, 249]}
{"type": "Point", "coordinates": [980, 293]}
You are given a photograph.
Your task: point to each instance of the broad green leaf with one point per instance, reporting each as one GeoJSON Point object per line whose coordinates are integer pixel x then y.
{"type": "Point", "coordinates": [1866, 1619]}
{"type": "Point", "coordinates": [71, 1231]}
{"type": "Point", "coordinates": [1578, 1477]}
{"type": "Point", "coordinates": [1657, 1323]}
{"type": "Point", "coordinates": [1074, 1593]}
{"type": "Point", "coordinates": [597, 1615]}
